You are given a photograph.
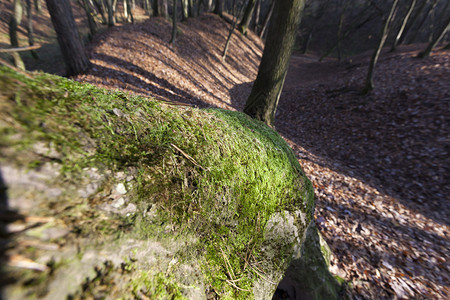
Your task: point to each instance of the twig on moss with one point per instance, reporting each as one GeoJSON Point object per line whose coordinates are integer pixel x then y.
{"type": "Point", "coordinates": [188, 157]}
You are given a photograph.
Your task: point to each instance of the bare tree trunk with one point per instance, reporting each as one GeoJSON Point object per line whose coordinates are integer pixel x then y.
{"type": "Point", "coordinates": [68, 38]}
{"type": "Point", "coordinates": [218, 9]}
{"type": "Point", "coordinates": [243, 26]}
{"type": "Point", "coordinates": [30, 30]}
{"type": "Point", "coordinates": [109, 7]}
{"type": "Point", "coordinates": [255, 18]}
{"type": "Point", "coordinates": [184, 10]}
{"type": "Point", "coordinates": [402, 27]}
{"type": "Point", "coordinates": [38, 6]}
{"type": "Point", "coordinates": [436, 40]}
{"type": "Point", "coordinates": [128, 14]}
{"type": "Point", "coordinates": [191, 8]}
{"type": "Point", "coordinates": [233, 25]}
{"type": "Point", "coordinates": [14, 22]}
{"type": "Point", "coordinates": [174, 23]}
{"type": "Point", "coordinates": [267, 19]}
{"type": "Point", "coordinates": [91, 21]}
{"type": "Point", "coordinates": [341, 24]}
{"type": "Point", "coordinates": [411, 23]}
{"type": "Point", "coordinates": [384, 33]}
{"type": "Point", "coordinates": [430, 11]}
{"type": "Point", "coordinates": [263, 100]}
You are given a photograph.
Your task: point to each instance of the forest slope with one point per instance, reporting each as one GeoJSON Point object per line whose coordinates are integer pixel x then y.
{"type": "Point", "coordinates": [379, 163]}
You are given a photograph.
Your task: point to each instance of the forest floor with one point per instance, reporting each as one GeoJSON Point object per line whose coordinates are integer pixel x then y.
{"type": "Point", "coordinates": [379, 163]}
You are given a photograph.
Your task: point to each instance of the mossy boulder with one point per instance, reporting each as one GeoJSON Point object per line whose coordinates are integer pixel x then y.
{"type": "Point", "coordinates": [108, 195]}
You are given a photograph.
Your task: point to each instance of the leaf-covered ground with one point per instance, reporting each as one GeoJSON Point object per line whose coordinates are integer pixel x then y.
{"type": "Point", "coordinates": [379, 163]}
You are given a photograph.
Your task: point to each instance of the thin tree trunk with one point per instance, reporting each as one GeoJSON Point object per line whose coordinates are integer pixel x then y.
{"type": "Point", "coordinates": [14, 22]}
{"type": "Point", "coordinates": [68, 38]}
{"type": "Point", "coordinates": [38, 6]}
{"type": "Point", "coordinates": [233, 26]}
{"type": "Point", "coordinates": [384, 33]}
{"type": "Point", "coordinates": [184, 10]}
{"type": "Point", "coordinates": [263, 100]}
{"type": "Point", "coordinates": [191, 8]}
{"type": "Point", "coordinates": [267, 19]}
{"type": "Point", "coordinates": [341, 24]}
{"type": "Point", "coordinates": [412, 21]}
{"type": "Point", "coordinates": [91, 21]}
{"type": "Point", "coordinates": [109, 7]}
{"type": "Point", "coordinates": [218, 9]}
{"type": "Point", "coordinates": [174, 23]}
{"type": "Point", "coordinates": [243, 25]}
{"type": "Point", "coordinates": [30, 30]}
{"type": "Point", "coordinates": [436, 40]}
{"type": "Point", "coordinates": [255, 18]}
{"type": "Point", "coordinates": [430, 11]}
{"type": "Point", "coordinates": [349, 31]}
{"type": "Point", "coordinates": [402, 27]}
{"type": "Point", "coordinates": [129, 15]}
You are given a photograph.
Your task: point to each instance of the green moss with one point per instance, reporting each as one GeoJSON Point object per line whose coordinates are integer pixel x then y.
{"type": "Point", "coordinates": [215, 174]}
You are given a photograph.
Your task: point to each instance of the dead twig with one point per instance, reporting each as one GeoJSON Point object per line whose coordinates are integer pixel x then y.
{"type": "Point", "coordinates": [188, 157]}
{"type": "Point", "coordinates": [19, 49]}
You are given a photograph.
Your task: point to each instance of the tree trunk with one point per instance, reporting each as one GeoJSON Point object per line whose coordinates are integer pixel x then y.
{"type": "Point", "coordinates": [218, 9]}
{"type": "Point", "coordinates": [236, 15]}
{"type": "Point", "coordinates": [38, 6]}
{"type": "Point", "coordinates": [191, 8]}
{"type": "Point", "coordinates": [430, 11]}
{"type": "Point", "coordinates": [402, 27]}
{"type": "Point", "coordinates": [263, 100]}
{"type": "Point", "coordinates": [174, 23]}
{"type": "Point", "coordinates": [69, 41]}
{"type": "Point", "coordinates": [384, 33]}
{"type": "Point", "coordinates": [161, 10]}
{"type": "Point", "coordinates": [128, 5]}
{"type": "Point", "coordinates": [247, 17]}
{"type": "Point", "coordinates": [91, 21]}
{"type": "Point", "coordinates": [255, 18]}
{"type": "Point", "coordinates": [411, 23]}
{"type": "Point", "coordinates": [267, 19]}
{"type": "Point", "coordinates": [341, 24]}
{"type": "Point", "coordinates": [14, 22]}
{"type": "Point", "coordinates": [109, 8]}
{"type": "Point", "coordinates": [184, 10]}
{"type": "Point", "coordinates": [30, 30]}
{"type": "Point", "coordinates": [436, 40]}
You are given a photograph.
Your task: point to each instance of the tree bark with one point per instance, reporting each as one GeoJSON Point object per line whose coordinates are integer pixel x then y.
{"type": "Point", "coordinates": [384, 33]}
{"type": "Point", "coordinates": [263, 100]}
{"type": "Point", "coordinates": [247, 17]}
{"type": "Point", "coordinates": [68, 38]}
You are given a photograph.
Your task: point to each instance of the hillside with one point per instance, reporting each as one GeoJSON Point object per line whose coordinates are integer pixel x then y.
{"type": "Point", "coordinates": [378, 163]}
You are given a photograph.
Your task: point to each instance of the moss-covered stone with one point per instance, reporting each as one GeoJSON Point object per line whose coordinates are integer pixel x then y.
{"type": "Point", "coordinates": [185, 202]}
